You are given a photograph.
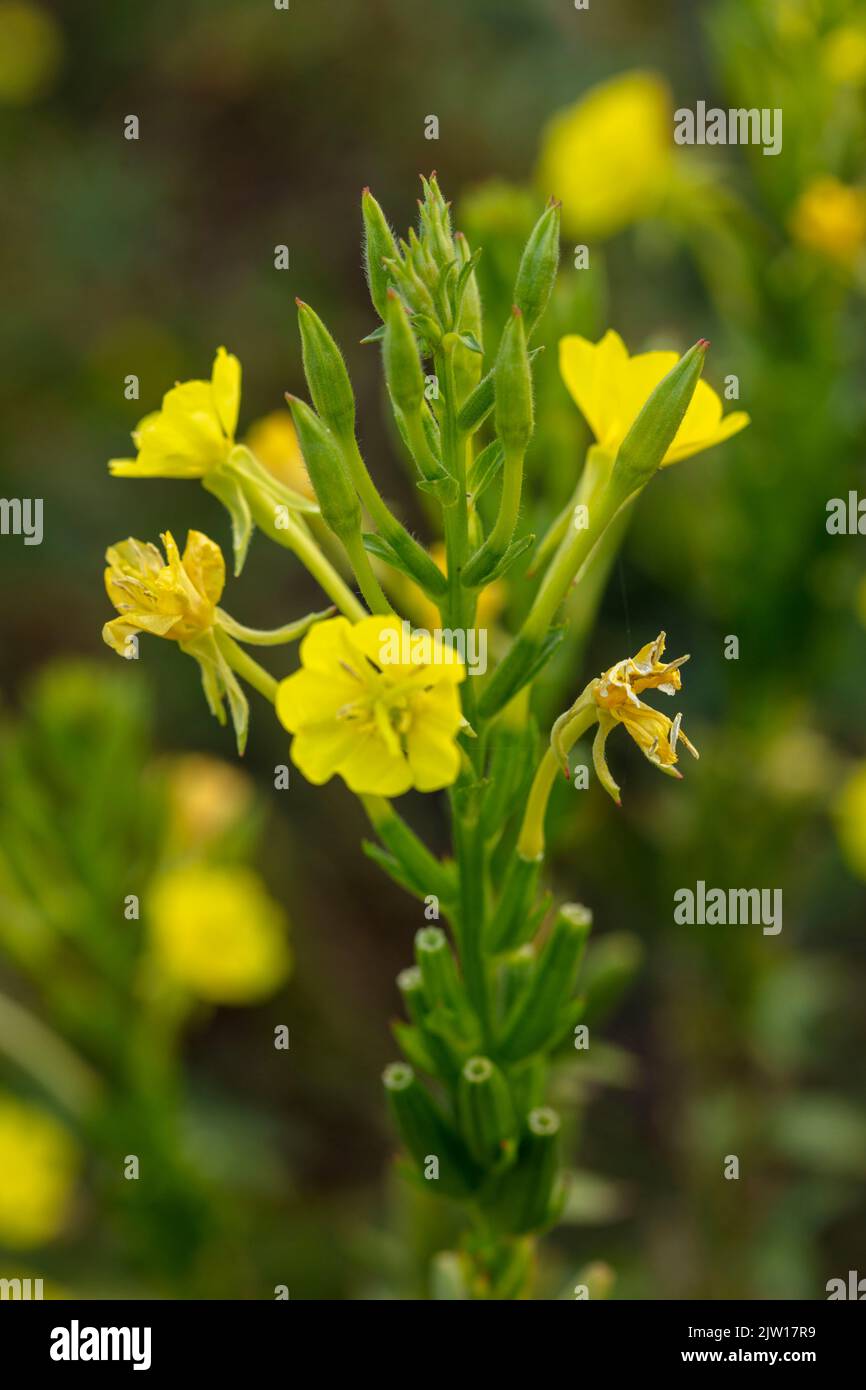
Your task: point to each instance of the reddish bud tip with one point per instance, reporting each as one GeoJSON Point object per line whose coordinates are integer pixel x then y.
{"type": "Point", "coordinates": [703, 343]}
{"type": "Point", "coordinates": [300, 303]}
{"type": "Point", "coordinates": [365, 191]}
{"type": "Point", "coordinates": [517, 311]}
{"type": "Point", "coordinates": [391, 293]}
{"type": "Point", "coordinates": [554, 202]}
{"type": "Point", "coordinates": [290, 398]}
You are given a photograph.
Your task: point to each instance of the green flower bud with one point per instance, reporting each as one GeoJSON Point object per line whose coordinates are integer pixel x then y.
{"type": "Point", "coordinates": [535, 1018]}
{"type": "Point", "coordinates": [379, 245]}
{"type": "Point", "coordinates": [486, 1114]}
{"type": "Point", "coordinates": [512, 381]}
{"type": "Point", "coordinates": [428, 1135]}
{"type": "Point", "coordinates": [326, 374]}
{"type": "Point", "coordinates": [403, 371]}
{"type": "Point", "coordinates": [538, 266]}
{"type": "Point", "coordinates": [652, 433]}
{"type": "Point", "coordinates": [442, 984]}
{"type": "Point", "coordinates": [338, 500]}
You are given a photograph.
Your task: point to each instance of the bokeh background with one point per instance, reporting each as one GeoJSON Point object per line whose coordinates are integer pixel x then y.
{"type": "Point", "coordinates": [260, 1166]}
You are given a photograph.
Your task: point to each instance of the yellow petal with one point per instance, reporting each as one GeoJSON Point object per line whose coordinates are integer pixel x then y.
{"type": "Point", "coordinates": [226, 384]}
{"type": "Point", "coordinates": [310, 698]}
{"type": "Point", "coordinates": [204, 563]}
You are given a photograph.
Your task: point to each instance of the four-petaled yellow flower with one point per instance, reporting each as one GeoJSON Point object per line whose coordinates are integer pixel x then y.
{"type": "Point", "coordinates": [217, 933]}
{"type": "Point", "coordinates": [617, 695]}
{"type": "Point", "coordinates": [376, 709]}
{"type": "Point", "coordinates": [174, 598]}
{"type": "Point", "coordinates": [608, 156]}
{"type": "Point", "coordinates": [38, 1164]}
{"type": "Point", "coordinates": [194, 431]}
{"type": "Point", "coordinates": [609, 388]}
{"type": "Point", "coordinates": [829, 217]}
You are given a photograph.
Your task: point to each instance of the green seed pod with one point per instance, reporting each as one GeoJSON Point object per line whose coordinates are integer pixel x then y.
{"type": "Point", "coordinates": [403, 371]}
{"type": "Point", "coordinates": [379, 245]}
{"type": "Point", "coordinates": [527, 1196]}
{"type": "Point", "coordinates": [641, 452]}
{"type": "Point", "coordinates": [506, 925]}
{"type": "Point", "coordinates": [518, 968]}
{"type": "Point", "coordinates": [427, 1134]}
{"type": "Point", "coordinates": [411, 987]}
{"type": "Point", "coordinates": [485, 1111]}
{"type": "Point", "coordinates": [338, 500]}
{"type": "Point", "coordinates": [535, 1017]}
{"type": "Point", "coordinates": [538, 266]}
{"type": "Point", "coordinates": [442, 984]}
{"type": "Point", "coordinates": [512, 380]}
{"type": "Point", "coordinates": [326, 374]}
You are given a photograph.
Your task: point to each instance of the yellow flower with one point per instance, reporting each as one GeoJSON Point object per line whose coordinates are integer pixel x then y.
{"type": "Point", "coordinates": [850, 816]}
{"type": "Point", "coordinates": [194, 431]}
{"type": "Point", "coordinates": [38, 1164]}
{"type": "Point", "coordinates": [174, 598]}
{"type": "Point", "coordinates": [607, 157]}
{"type": "Point", "coordinates": [829, 217]}
{"type": "Point", "coordinates": [30, 51]}
{"type": "Point", "coordinates": [274, 442]}
{"type": "Point", "coordinates": [844, 55]}
{"type": "Point", "coordinates": [616, 695]}
{"type": "Point", "coordinates": [374, 708]}
{"type": "Point", "coordinates": [609, 388]}
{"type": "Point", "coordinates": [216, 932]}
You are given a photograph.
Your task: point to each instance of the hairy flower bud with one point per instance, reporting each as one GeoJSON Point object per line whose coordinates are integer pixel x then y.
{"type": "Point", "coordinates": [338, 500]}
{"type": "Point", "coordinates": [326, 373]}
{"type": "Point", "coordinates": [538, 266]}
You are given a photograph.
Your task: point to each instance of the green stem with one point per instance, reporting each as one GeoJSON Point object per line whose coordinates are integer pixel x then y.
{"type": "Point", "coordinates": [47, 1058]}
{"type": "Point", "coordinates": [244, 666]}
{"type": "Point", "coordinates": [567, 730]}
{"type": "Point", "coordinates": [301, 543]}
{"type": "Point", "coordinates": [367, 581]}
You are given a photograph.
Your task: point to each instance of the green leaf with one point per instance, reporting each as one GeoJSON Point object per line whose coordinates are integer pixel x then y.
{"type": "Point", "coordinates": [470, 341]}
{"type": "Point", "coordinates": [485, 468]}
{"type": "Point", "coordinates": [376, 336]}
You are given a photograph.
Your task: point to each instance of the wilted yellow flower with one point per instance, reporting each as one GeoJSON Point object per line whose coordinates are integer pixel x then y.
{"type": "Point", "coordinates": [369, 705]}
{"type": "Point", "coordinates": [274, 442]}
{"type": "Point", "coordinates": [609, 388]}
{"type": "Point", "coordinates": [830, 217]}
{"type": "Point", "coordinates": [844, 55]}
{"type": "Point", "coordinates": [194, 431]}
{"type": "Point", "coordinates": [850, 816]}
{"type": "Point", "coordinates": [174, 598]}
{"type": "Point", "coordinates": [38, 1165]}
{"type": "Point", "coordinates": [216, 932]}
{"type": "Point", "coordinates": [206, 797]}
{"type": "Point", "coordinates": [617, 693]}
{"type": "Point", "coordinates": [607, 157]}
{"type": "Point", "coordinates": [30, 49]}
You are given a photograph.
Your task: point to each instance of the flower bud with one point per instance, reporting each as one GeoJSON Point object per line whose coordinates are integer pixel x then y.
{"type": "Point", "coordinates": [442, 984]}
{"type": "Point", "coordinates": [527, 1197]}
{"type": "Point", "coordinates": [403, 370]}
{"type": "Point", "coordinates": [512, 380]}
{"type": "Point", "coordinates": [535, 1016]}
{"type": "Point", "coordinates": [538, 266]}
{"type": "Point", "coordinates": [326, 374]}
{"type": "Point", "coordinates": [338, 500]}
{"type": "Point", "coordinates": [652, 433]}
{"type": "Point", "coordinates": [486, 1114]}
{"type": "Point", "coordinates": [427, 1134]}
{"type": "Point", "coordinates": [379, 244]}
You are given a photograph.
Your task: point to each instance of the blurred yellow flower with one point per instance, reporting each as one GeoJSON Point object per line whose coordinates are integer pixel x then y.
{"type": "Point", "coordinates": [274, 442]}
{"type": "Point", "coordinates": [38, 1166]}
{"type": "Point", "coordinates": [844, 55]}
{"type": "Point", "coordinates": [383, 724]}
{"type": "Point", "coordinates": [607, 157]}
{"type": "Point", "coordinates": [30, 51]}
{"type": "Point", "coordinates": [207, 797]}
{"type": "Point", "coordinates": [194, 431]}
{"type": "Point", "coordinates": [830, 217]}
{"type": "Point", "coordinates": [609, 388]}
{"type": "Point", "coordinates": [216, 932]}
{"type": "Point", "coordinates": [175, 598]}
{"type": "Point", "coordinates": [850, 817]}
{"type": "Point", "coordinates": [617, 693]}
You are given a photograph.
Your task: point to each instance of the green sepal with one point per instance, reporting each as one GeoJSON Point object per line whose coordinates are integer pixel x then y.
{"type": "Point", "coordinates": [520, 666]}
{"type": "Point", "coordinates": [375, 337]}
{"type": "Point", "coordinates": [227, 488]}
{"type": "Point", "coordinates": [484, 468]}
{"type": "Point", "coordinates": [220, 683]}
{"type": "Point", "coordinates": [474, 575]}
{"type": "Point", "coordinates": [470, 341]}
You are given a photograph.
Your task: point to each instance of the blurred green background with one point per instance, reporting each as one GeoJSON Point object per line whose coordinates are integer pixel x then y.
{"type": "Point", "coordinates": [263, 1167]}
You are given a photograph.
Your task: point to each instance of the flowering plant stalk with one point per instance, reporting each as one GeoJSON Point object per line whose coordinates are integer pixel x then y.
{"type": "Point", "coordinates": [390, 707]}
